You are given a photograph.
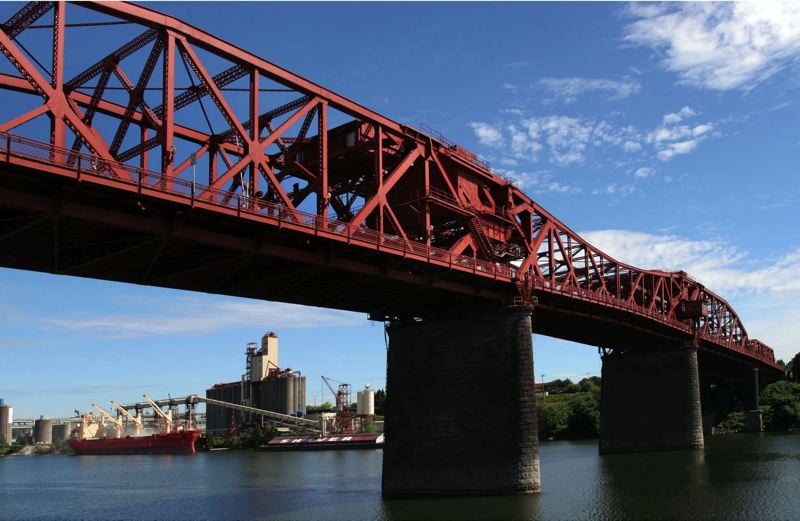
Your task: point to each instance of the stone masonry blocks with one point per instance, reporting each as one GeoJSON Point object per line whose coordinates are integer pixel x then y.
{"type": "Point", "coordinates": [650, 400]}
{"type": "Point", "coordinates": [461, 410]}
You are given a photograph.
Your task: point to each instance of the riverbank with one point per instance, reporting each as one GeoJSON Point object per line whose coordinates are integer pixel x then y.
{"type": "Point", "coordinates": [42, 449]}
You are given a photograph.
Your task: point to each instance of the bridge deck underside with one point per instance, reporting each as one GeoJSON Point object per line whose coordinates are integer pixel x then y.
{"type": "Point", "coordinates": [56, 226]}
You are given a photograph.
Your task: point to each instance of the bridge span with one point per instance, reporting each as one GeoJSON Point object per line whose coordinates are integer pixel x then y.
{"type": "Point", "coordinates": [307, 197]}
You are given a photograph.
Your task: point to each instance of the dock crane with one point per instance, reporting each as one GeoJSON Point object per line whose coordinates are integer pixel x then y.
{"type": "Point", "coordinates": [166, 416]}
{"type": "Point", "coordinates": [343, 423]}
{"type": "Point", "coordinates": [136, 420]}
{"type": "Point", "coordinates": [105, 416]}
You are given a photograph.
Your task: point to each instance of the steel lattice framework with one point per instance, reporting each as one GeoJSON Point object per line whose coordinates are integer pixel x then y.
{"type": "Point", "coordinates": [369, 181]}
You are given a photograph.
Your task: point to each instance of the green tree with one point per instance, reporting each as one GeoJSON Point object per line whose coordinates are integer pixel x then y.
{"type": "Point", "coordinates": [584, 419]}
{"type": "Point", "coordinates": [323, 407]}
{"type": "Point", "coordinates": [380, 400]}
{"type": "Point", "coordinates": [552, 416]}
{"type": "Point", "coordinates": [733, 422]}
{"type": "Point", "coordinates": [782, 405]}
{"type": "Point", "coordinates": [558, 386]}
{"type": "Point", "coordinates": [590, 385]}
{"type": "Point", "coordinates": [793, 368]}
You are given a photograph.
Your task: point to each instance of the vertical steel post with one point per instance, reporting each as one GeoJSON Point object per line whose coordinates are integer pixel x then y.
{"type": "Point", "coordinates": [379, 174]}
{"type": "Point", "coordinates": [57, 126]}
{"type": "Point", "coordinates": [145, 135]}
{"type": "Point", "coordinates": [427, 207]}
{"type": "Point", "coordinates": [168, 102]}
{"type": "Point", "coordinates": [254, 136]}
{"type": "Point", "coordinates": [212, 169]}
{"type": "Point", "coordinates": [322, 130]}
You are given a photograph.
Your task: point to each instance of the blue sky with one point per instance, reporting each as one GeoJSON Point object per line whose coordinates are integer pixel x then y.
{"type": "Point", "coordinates": [665, 133]}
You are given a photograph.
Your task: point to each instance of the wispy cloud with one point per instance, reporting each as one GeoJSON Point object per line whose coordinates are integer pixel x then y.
{"type": "Point", "coordinates": [89, 389]}
{"type": "Point", "coordinates": [539, 182]}
{"type": "Point", "coordinates": [766, 289]}
{"type": "Point", "coordinates": [188, 316]}
{"type": "Point", "coordinates": [487, 134]}
{"type": "Point", "coordinates": [615, 189]}
{"type": "Point", "coordinates": [677, 117]}
{"type": "Point", "coordinates": [719, 46]}
{"type": "Point", "coordinates": [568, 90]}
{"type": "Point", "coordinates": [671, 139]}
{"type": "Point", "coordinates": [631, 146]}
{"type": "Point", "coordinates": [519, 64]}
{"type": "Point", "coordinates": [566, 138]}
{"type": "Point", "coordinates": [718, 264]}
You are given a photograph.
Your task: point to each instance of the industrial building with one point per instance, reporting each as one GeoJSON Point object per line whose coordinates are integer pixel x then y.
{"type": "Point", "coordinates": [6, 418]}
{"type": "Point", "coordinates": [365, 401]}
{"type": "Point", "coordinates": [264, 385]}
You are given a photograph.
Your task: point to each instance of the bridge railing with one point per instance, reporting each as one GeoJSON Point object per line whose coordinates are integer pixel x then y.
{"type": "Point", "coordinates": [142, 179]}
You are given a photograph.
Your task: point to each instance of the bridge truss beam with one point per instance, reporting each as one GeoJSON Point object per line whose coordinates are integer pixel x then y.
{"type": "Point", "coordinates": [265, 137]}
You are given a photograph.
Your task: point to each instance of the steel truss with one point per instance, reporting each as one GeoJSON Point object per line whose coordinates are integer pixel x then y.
{"type": "Point", "coordinates": [371, 182]}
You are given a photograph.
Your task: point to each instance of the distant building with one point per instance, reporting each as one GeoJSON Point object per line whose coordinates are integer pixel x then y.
{"type": "Point", "coordinates": [540, 389]}
{"type": "Point", "coordinates": [263, 386]}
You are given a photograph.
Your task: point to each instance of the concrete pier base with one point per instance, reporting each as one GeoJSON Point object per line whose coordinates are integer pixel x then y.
{"type": "Point", "coordinates": [650, 400]}
{"type": "Point", "coordinates": [753, 421]}
{"type": "Point", "coordinates": [460, 409]}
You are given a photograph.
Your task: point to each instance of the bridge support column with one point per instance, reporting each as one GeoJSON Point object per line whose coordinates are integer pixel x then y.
{"type": "Point", "coordinates": [753, 420]}
{"type": "Point", "coordinates": [460, 409]}
{"type": "Point", "coordinates": [650, 400]}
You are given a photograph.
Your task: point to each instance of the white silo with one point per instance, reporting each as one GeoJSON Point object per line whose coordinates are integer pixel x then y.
{"type": "Point", "coordinates": [365, 404]}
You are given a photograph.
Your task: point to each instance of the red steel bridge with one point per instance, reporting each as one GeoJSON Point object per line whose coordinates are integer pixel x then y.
{"type": "Point", "coordinates": [169, 157]}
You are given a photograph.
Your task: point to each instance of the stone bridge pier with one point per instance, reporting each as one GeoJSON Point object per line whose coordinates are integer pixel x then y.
{"type": "Point", "coordinates": [650, 399]}
{"type": "Point", "coordinates": [460, 409]}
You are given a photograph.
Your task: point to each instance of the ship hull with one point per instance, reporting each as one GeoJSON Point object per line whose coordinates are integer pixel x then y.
{"type": "Point", "coordinates": [165, 443]}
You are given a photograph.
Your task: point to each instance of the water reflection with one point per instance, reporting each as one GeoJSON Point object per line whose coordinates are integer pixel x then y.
{"type": "Point", "coordinates": [736, 477]}
{"type": "Point", "coordinates": [504, 507]}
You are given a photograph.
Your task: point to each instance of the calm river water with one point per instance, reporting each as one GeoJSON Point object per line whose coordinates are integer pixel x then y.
{"type": "Point", "coordinates": [736, 477]}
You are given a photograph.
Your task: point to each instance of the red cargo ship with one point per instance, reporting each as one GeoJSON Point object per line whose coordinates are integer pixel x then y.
{"type": "Point", "coordinates": [181, 442]}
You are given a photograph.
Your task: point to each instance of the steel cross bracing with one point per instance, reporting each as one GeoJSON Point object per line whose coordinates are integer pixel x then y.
{"type": "Point", "coordinates": [264, 140]}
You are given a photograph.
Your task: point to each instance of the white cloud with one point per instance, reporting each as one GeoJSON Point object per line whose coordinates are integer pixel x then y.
{"type": "Point", "coordinates": [615, 189]}
{"type": "Point", "coordinates": [677, 117]}
{"type": "Point", "coordinates": [717, 264]}
{"type": "Point", "coordinates": [189, 316]}
{"type": "Point", "coordinates": [766, 289]}
{"type": "Point", "coordinates": [719, 46]}
{"type": "Point", "coordinates": [525, 179]}
{"type": "Point", "coordinates": [643, 172]}
{"type": "Point", "coordinates": [631, 146]}
{"type": "Point", "coordinates": [567, 90]}
{"type": "Point", "coordinates": [525, 144]}
{"type": "Point", "coordinates": [566, 138]}
{"type": "Point", "coordinates": [678, 148]}
{"type": "Point", "coordinates": [556, 187]}
{"type": "Point", "coordinates": [538, 182]}
{"type": "Point", "coordinates": [487, 134]}
{"type": "Point", "coordinates": [521, 64]}
{"type": "Point", "coordinates": [507, 161]}
{"type": "Point", "coordinates": [671, 139]}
